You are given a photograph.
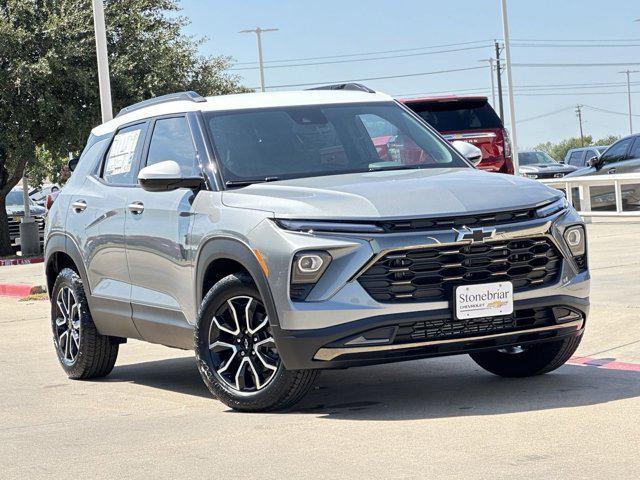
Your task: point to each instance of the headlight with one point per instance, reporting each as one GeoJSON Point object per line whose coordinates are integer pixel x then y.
{"type": "Point", "coordinates": [310, 226]}
{"type": "Point", "coordinates": [530, 175]}
{"type": "Point", "coordinates": [551, 208]}
{"type": "Point", "coordinates": [306, 270]}
{"type": "Point", "coordinates": [576, 239]}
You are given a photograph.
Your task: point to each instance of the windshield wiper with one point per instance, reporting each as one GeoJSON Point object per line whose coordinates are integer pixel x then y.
{"type": "Point", "coordinates": [246, 183]}
{"type": "Point", "coordinates": [397, 167]}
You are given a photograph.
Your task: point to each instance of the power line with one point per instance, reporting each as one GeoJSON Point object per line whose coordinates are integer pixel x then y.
{"type": "Point", "coordinates": [436, 72]}
{"type": "Point", "coordinates": [380, 52]}
{"type": "Point", "coordinates": [603, 64]}
{"type": "Point", "coordinates": [569, 45]}
{"type": "Point", "coordinates": [361, 59]}
{"type": "Point", "coordinates": [544, 115]}
{"type": "Point", "coordinates": [604, 110]}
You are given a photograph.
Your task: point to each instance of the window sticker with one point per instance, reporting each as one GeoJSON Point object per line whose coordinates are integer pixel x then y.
{"type": "Point", "coordinates": [121, 153]}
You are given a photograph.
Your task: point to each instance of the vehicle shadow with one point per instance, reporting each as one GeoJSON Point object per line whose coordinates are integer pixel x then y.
{"type": "Point", "coordinates": [178, 375]}
{"type": "Point", "coordinates": [457, 387]}
{"type": "Point", "coordinates": [423, 389]}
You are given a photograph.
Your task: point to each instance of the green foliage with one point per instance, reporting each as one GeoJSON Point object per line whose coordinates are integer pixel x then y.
{"type": "Point", "coordinates": [48, 75]}
{"type": "Point", "coordinates": [560, 149]}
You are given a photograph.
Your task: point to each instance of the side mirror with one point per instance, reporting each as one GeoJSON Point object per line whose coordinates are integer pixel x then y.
{"type": "Point", "coordinates": [468, 151]}
{"type": "Point", "coordinates": [166, 176]}
{"type": "Point", "coordinates": [594, 162]}
{"type": "Point", "coordinates": [73, 163]}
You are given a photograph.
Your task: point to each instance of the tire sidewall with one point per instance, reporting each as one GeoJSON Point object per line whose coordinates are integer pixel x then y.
{"type": "Point", "coordinates": [225, 289]}
{"type": "Point", "coordinates": [69, 278]}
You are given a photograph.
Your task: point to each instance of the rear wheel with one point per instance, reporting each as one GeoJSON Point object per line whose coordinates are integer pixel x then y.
{"type": "Point", "coordinates": [82, 351]}
{"type": "Point", "coordinates": [237, 355]}
{"type": "Point", "coordinates": [528, 360]}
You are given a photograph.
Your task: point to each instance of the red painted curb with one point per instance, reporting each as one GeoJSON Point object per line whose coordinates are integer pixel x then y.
{"type": "Point", "coordinates": [7, 262]}
{"type": "Point", "coordinates": [20, 291]}
{"type": "Point", "coordinates": [607, 364]}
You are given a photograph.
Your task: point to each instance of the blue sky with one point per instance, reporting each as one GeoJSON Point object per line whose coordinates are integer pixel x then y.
{"type": "Point", "coordinates": [331, 27]}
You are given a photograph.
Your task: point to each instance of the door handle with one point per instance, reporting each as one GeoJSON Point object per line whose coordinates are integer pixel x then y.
{"type": "Point", "coordinates": [79, 206]}
{"type": "Point", "coordinates": [136, 208]}
{"type": "Point", "coordinates": [611, 170]}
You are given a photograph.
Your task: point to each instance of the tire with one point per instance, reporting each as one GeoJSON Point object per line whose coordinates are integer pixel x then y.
{"type": "Point", "coordinates": [534, 360]}
{"type": "Point", "coordinates": [243, 370]}
{"type": "Point", "coordinates": [91, 355]}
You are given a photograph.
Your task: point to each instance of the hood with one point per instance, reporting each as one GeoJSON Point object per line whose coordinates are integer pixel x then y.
{"type": "Point", "coordinates": [392, 194]}
{"type": "Point", "coordinates": [582, 171]}
{"type": "Point", "coordinates": [546, 168]}
{"type": "Point", "coordinates": [18, 210]}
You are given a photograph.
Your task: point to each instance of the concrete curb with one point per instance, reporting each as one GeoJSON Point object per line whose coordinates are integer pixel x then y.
{"type": "Point", "coordinates": [20, 291]}
{"type": "Point", "coordinates": [8, 262]}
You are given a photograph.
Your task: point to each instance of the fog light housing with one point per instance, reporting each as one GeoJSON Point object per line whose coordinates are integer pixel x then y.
{"type": "Point", "coordinates": [576, 239]}
{"type": "Point", "coordinates": [306, 270]}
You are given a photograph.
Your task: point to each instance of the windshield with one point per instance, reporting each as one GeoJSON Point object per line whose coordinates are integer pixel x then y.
{"type": "Point", "coordinates": [535, 158]}
{"type": "Point", "coordinates": [458, 115]}
{"type": "Point", "coordinates": [14, 197]}
{"type": "Point", "coordinates": [293, 142]}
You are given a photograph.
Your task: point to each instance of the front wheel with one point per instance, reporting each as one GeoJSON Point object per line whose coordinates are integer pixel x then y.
{"type": "Point", "coordinates": [529, 360]}
{"type": "Point", "coordinates": [237, 355]}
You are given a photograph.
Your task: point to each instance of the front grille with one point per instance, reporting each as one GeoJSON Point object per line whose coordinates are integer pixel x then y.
{"type": "Point", "coordinates": [429, 274]}
{"type": "Point", "coordinates": [14, 226]}
{"type": "Point", "coordinates": [470, 221]}
{"type": "Point", "coordinates": [447, 328]}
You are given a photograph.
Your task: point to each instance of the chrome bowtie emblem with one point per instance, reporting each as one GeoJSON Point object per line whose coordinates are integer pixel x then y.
{"type": "Point", "coordinates": [475, 234]}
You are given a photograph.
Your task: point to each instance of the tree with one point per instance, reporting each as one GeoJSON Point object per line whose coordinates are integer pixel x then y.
{"type": "Point", "coordinates": [48, 75]}
{"type": "Point", "coordinates": [559, 150]}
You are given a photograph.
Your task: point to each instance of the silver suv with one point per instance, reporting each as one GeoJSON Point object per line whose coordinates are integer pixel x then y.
{"type": "Point", "coordinates": [278, 234]}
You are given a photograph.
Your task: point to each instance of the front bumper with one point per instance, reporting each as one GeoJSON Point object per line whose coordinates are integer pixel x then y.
{"type": "Point", "coordinates": [313, 334]}
{"type": "Point", "coordinates": [345, 345]}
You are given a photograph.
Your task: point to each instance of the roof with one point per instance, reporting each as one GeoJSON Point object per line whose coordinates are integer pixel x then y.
{"type": "Point", "coordinates": [442, 98]}
{"type": "Point", "coordinates": [244, 101]}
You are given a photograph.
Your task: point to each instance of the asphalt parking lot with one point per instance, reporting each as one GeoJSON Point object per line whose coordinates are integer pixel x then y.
{"type": "Point", "coordinates": [443, 418]}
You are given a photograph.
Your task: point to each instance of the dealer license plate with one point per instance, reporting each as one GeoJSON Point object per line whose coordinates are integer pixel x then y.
{"type": "Point", "coordinates": [484, 300]}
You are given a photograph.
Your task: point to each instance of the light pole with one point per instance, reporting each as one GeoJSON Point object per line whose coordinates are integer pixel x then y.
{"type": "Point", "coordinates": [258, 31]}
{"type": "Point", "coordinates": [493, 88]}
{"type": "Point", "coordinates": [103, 60]}
{"type": "Point", "coordinates": [512, 110]}
{"type": "Point", "coordinates": [628, 73]}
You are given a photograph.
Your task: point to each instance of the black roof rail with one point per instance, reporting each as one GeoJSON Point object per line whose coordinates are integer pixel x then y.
{"type": "Point", "coordinates": [171, 97]}
{"type": "Point", "coordinates": [345, 86]}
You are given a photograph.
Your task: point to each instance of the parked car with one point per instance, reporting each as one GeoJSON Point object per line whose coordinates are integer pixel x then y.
{"type": "Point", "coordinates": [39, 195]}
{"type": "Point", "coordinates": [579, 157]}
{"type": "Point", "coordinates": [535, 164]}
{"type": "Point", "coordinates": [471, 119]}
{"type": "Point", "coordinates": [15, 213]}
{"type": "Point", "coordinates": [621, 157]}
{"type": "Point", "coordinates": [267, 233]}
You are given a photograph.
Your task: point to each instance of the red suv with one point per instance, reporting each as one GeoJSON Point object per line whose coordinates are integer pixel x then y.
{"type": "Point", "coordinates": [472, 120]}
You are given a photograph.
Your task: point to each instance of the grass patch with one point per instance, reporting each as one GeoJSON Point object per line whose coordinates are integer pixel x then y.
{"type": "Point", "coordinates": [35, 297]}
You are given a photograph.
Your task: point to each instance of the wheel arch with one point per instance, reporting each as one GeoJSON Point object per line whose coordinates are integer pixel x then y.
{"type": "Point", "coordinates": [60, 253]}
{"type": "Point", "coordinates": [220, 257]}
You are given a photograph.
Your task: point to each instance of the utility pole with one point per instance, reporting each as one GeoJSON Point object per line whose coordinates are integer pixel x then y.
{"type": "Point", "coordinates": [499, 77]}
{"type": "Point", "coordinates": [493, 87]}
{"type": "Point", "coordinates": [579, 115]}
{"type": "Point", "coordinates": [512, 107]}
{"type": "Point", "coordinates": [628, 73]}
{"type": "Point", "coordinates": [103, 60]}
{"type": "Point", "coordinates": [259, 31]}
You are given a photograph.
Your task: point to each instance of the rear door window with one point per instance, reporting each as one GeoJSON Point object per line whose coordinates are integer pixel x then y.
{"type": "Point", "coordinates": [635, 150]}
{"type": "Point", "coordinates": [458, 115]}
{"type": "Point", "coordinates": [120, 165]}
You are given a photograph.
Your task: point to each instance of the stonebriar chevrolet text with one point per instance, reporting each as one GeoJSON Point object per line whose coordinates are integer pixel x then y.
{"type": "Point", "coordinates": [272, 234]}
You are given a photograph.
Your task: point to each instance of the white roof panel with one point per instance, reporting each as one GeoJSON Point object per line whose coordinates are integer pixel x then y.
{"type": "Point", "coordinates": [244, 101]}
